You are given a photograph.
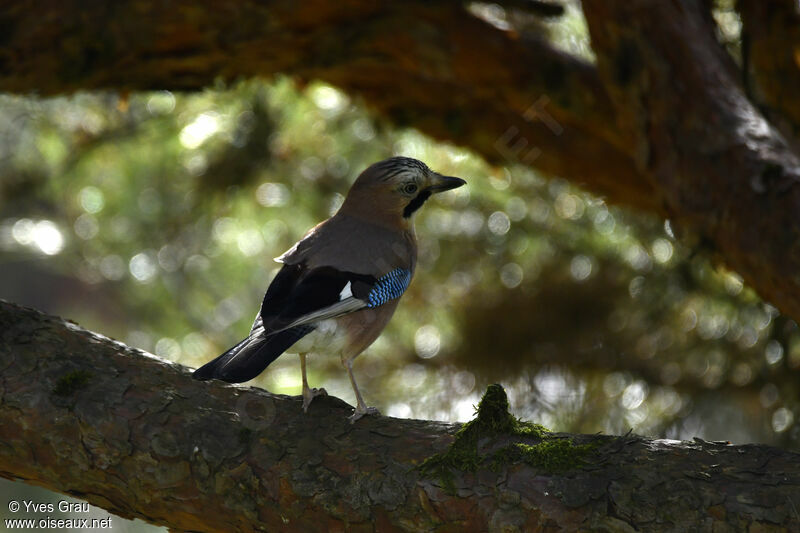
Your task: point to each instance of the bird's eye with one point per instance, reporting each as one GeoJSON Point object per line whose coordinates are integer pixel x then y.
{"type": "Point", "coordinates": [410, 188]}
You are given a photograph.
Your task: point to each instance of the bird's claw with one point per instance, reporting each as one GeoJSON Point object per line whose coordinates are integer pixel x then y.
{"type": "Point", "coordinates": [361, 411]}
{"type": "Point", "coordinates": [310, 394]}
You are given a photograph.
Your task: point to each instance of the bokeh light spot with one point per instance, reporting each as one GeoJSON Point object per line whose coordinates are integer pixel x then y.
{"type": "Point", "coordinates": [363, 129]}
{"type": "Point", "coordinates": [91, 199]}
{"type": "Point", "coordinates": [44, 235]}
{"type": "Point", "coordinates": [614, 384]}
{"type": "Point", "coordinates": [112, 267]}
{"type": "Point", "coordinates": [86, 226]}
{"type": "Point", "coordinates": [312, 168]}
{"type": "Point", "coordinates": [463, 382]}
{"type": "Point", "coordinates": [742, 374]}
{"type": "Point", "coordinates": [768, 395]}
{"type": "Point", "coordinates": [168, 348]}
{"type": "Point", "coordinates": [161, 103]}
{"type": "Point", "coordinates": [569, 206]}
{"type": "Point", "coordinates": [413, 375]}
{"type": "Point", "coordinates": [662, 250]}
{"type": "Point", "coordinates": [142, 267]}
{"type": "Point", "coordinates": [511, 275]}
{"type": "Point", "coordinates": [516, 208]}
{"type": "Point", "coordinates": [580, 267]}
{"type": "Point", "coordinates": [634, 394]}
{"type": "Point", "coordinates": [196, 345]}
{"type": "Point", "coordinates": [427, 341]}
{"type": "Point", "coordinates": [199, 130]}
{"type": "Point", "coordinates": [773, 353]}
{"type": "Point", "coordinates": [224, 230]}
{"type": "Point", "coordinates": [169, 258]}
{"type": "Point", "coordinates": [782, 419]}
{"type": "Point", "coordinates": [329, 99]}
{"type": "Point", "coordinates": [499, 223]}
{"type": "Point", "coordinates": [22, 231]}
{"type": "Point", "coordinates": [250, 242]}
{"type": "Point", "coordinates": [637, 257]}
{"type": "Point", "coordinates": [733, 283]}
{"type": "Point", "coordinates": [470, 222]}
{"type": "Point", "coordinates": [150, 201]}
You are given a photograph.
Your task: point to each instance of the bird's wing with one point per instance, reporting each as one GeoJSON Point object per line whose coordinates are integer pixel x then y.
{"type": "Point", "coordinates": [296, 297]}
{"type": "Point", "coordinates": [298, 251]}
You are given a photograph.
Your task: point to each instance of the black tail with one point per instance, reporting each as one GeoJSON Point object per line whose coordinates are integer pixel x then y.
{"type": "Point", "coordinates": [250, 357]}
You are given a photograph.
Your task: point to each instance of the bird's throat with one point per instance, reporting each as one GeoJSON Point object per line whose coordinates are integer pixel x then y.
{"type": "Point", "coordinates": [416, 203]}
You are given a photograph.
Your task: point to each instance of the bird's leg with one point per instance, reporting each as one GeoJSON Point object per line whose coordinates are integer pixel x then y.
{"type": "Point", "coordinates": [361, 407]}
{"type": "Point", "coordinates": [308, 393]}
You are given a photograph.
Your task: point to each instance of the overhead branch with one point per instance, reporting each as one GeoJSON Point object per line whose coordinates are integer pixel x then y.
{"type": "Point", "coordinates": [133, 434]}
{"type": "Point", "coordinates": [436, 67]}
{"type": "Point", "coordinates": [539, 8]}
{"type": "Point", "coordinates": [721, 169]}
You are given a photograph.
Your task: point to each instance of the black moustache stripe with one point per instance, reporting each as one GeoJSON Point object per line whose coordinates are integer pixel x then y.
{"type": "Point", "coordinates": [416, 203]}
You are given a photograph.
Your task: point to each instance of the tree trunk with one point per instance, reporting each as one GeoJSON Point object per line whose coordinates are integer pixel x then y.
{"type": "Point", "coordinates": [133, 434]}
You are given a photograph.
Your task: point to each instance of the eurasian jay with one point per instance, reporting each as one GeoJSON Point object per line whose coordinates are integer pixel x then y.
{"type": "Point", "coordinates": [342, 280]}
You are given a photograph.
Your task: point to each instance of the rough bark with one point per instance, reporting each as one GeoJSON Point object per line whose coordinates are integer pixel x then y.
{"type": "Point", "coordinates": [88, 416]}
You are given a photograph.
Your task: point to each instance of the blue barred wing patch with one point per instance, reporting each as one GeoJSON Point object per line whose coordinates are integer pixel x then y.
{"type": "Point", "coordinates": [389, 287]}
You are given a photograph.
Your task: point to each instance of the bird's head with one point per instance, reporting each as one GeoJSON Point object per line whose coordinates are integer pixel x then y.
{"type": "Point", "coordinates": [392, 190]}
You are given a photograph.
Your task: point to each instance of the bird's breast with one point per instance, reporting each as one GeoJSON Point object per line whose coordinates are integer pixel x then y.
{"type": "Point", "coordinates": [347, 335]}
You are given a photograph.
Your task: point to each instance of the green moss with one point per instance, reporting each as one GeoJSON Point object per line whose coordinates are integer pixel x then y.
{"type": "Point", "coordinates": [71, 382]}
{"type": "Point", "coordinates": [552, 454]}
{"type": "Point", "coordinates": [492, 422]}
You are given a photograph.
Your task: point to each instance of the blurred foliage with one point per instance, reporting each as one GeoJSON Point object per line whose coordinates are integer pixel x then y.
{"type": "Point", "coordinates": [152, 218]}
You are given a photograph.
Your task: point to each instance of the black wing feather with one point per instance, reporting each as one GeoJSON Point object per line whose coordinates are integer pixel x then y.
{"type": "Point", "coordinates": [317, 289]}
{"type": "Point", "coordinates": [279, 292]}
{"type": "Point", "coordinates": [251, 356]}
{"type": "Point", "coordinates": [294, 293]}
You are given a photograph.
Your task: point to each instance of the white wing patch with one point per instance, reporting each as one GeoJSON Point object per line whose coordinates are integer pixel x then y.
{"type": "Point", "coordinates": [342, 307]}
{"type": "Point", "coordinates": [347, 292]}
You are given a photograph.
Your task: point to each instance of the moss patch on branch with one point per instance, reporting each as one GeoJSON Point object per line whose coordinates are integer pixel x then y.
{"type": "Point", "coordinates": [71, 382]}
{"type": "Point", "coordinates": [475, 444]}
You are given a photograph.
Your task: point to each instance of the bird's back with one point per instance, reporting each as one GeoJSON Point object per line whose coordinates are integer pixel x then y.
{"type": "Point", "coordinates": [350, 244]}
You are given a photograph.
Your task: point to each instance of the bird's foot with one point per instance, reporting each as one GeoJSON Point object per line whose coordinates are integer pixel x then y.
{"type": "Point", "coordinates": [309, 395]}
{"type": "Point", "coordinates": [360, 411]}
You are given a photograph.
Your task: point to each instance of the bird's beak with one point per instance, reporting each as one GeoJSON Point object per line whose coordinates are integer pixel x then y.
{"type": "Point", "coordinates": [441, 183]}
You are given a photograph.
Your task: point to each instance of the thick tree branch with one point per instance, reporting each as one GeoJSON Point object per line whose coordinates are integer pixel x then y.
{"type": "Point", "coordinates": [771, 56]}
{"type": "Point", "coordinates": [722, 170]}
{"type": "Point", "coordinates": [434, 66]}
{"type": "Point", "coordinates": [85, 415]}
